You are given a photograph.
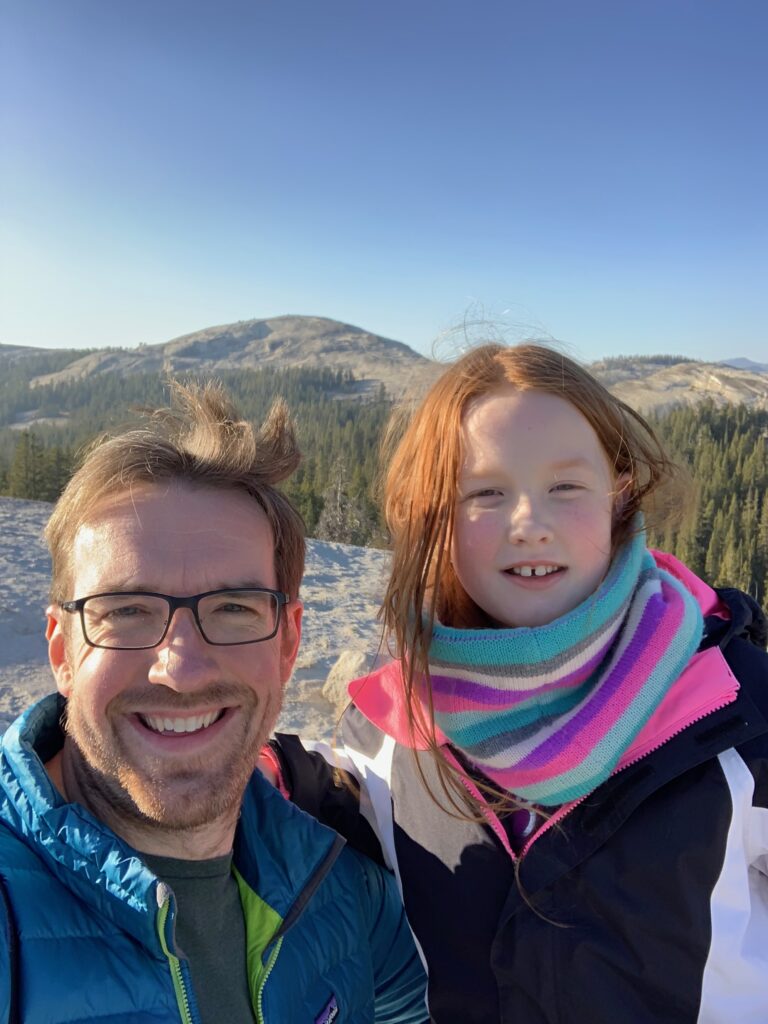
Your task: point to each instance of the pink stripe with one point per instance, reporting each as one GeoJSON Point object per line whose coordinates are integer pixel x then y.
{"type": "Point", "coordinates": [561, 751]}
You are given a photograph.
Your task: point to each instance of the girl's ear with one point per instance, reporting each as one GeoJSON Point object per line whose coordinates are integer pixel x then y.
{"type": "Point", "coordinates": [621, 491]}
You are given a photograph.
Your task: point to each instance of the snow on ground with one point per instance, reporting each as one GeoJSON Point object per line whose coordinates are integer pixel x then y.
{"type": "Point", "coordinates": [341, 593]}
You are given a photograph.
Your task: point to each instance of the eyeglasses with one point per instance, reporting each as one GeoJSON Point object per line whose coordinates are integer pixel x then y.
{"type": "Point", "coordinates": [126, 621]}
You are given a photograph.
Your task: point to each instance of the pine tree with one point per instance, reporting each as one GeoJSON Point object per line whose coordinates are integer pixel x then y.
{"type": "Point", "coordinates": [342, 519]}
{"type": "Point", "coordinates": [730, 565]}
{"type": "Point", "coordinates": [27, 476]}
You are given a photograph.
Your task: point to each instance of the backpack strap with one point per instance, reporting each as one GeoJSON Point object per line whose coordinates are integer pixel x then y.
{"type": "Point", "coordinates": [747, 621]}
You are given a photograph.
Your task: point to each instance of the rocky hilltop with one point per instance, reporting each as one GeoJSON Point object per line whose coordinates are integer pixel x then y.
{"type": "Point", "coordinates": [285, 341]}
{"type": "Point", "coordinates": [651, 386]}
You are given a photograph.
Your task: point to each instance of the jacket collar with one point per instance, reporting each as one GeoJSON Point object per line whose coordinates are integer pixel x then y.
{"type": "Point", "coordinates": [278, 848]}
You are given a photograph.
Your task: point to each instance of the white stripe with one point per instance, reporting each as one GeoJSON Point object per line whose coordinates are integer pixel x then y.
{"type": "Point", "coordinates": [375, 776]}
{"type": "Point", "coordinates": [735, 983]}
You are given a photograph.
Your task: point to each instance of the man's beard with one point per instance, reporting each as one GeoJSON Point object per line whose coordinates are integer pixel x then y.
{"type": "Point", "coordinates": [154, 794]}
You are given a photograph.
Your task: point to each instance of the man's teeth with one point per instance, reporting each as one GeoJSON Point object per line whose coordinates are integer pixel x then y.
{"type": "Point", "coordinates": [534, 570]}
{"type": "Point", "coordinates": [180, 724]}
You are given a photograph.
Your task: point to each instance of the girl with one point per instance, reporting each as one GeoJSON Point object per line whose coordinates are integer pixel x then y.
{"type": "Point", "coordinates": [567, 764]}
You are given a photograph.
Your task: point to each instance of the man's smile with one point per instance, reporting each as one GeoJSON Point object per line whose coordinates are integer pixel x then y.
{"type": "Point", "coordinates": [170, 723]}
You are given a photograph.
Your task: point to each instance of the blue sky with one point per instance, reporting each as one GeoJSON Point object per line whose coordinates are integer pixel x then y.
{"type": "Point", "coordinates": [592, 170]}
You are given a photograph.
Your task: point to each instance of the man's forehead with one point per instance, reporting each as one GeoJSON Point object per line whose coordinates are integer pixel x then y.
{"type": "Point", "coordinates": [219, 538]}
{"type": "Point", "coordinates": [142, 502]}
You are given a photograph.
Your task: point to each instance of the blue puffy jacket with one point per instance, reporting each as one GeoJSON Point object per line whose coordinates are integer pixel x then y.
{"type": "Point", "coordinates": [87, 930]}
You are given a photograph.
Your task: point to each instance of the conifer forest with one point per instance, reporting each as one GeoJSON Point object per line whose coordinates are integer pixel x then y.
{"type": "Point", "coordinates": [717, 522]}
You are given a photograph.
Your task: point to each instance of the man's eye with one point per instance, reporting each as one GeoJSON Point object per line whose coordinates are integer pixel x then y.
{"type": "Point", "coordinates": [125, 611]}
{"type": "Point", "coordinates": [233, 608]}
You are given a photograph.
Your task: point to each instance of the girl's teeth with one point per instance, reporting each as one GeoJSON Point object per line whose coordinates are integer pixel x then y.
{"type": "Point", "coordinates": [180, 724]}
{"type": "Point", "coordinates": [534, 570]}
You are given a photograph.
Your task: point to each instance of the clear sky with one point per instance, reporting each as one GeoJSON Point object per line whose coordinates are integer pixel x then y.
{"type": "Point", "coordinates": [589, 170]}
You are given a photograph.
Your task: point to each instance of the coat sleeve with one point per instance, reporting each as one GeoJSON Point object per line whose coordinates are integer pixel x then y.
{"type": "Point", "coordinates": [736, 968]}
{"type": "Point", "coordinates": [321, 782]}
{"type": "Point", "coordinates": [399, 978]}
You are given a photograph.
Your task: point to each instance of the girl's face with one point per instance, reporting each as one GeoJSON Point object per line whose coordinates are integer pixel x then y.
{"type": "Point", "coordinates": [534, 508]}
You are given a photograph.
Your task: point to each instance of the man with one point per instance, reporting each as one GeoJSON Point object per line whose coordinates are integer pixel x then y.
{"type": "Point", "coordinates": [147, 872]}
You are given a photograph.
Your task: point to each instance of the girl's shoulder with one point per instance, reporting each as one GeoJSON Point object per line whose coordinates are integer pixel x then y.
{"type": "Point", "coordinates": [380, 698]}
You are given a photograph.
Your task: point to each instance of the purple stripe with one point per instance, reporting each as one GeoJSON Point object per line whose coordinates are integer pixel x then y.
{"type": "Point", "coordinates": [482, 695]}
{"type": "Point", "coordinates": [653, 614]}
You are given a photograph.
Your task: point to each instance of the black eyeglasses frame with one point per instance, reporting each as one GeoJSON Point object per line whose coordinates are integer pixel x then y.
{"type": "Point", "coordinates": [77, 607]}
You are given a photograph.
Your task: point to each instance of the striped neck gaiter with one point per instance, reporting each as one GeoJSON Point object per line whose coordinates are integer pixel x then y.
{"type": "Point", "coordinates": [547, 712]}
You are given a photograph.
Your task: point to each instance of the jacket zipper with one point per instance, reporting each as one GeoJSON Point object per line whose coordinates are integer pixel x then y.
{"type": "Point", "coordinates": [557, 816]}
{"type": "Point", "coordinates": [177, 976]}
{"type": "Point", "coordinates": [267, 971]}
{"type": "Point", "coordinates": [562, 812]}
{"type": "Point", "coordinates": [292, 917]}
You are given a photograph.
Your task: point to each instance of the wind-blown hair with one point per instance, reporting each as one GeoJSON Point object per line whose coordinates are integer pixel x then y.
{"type": "Point", "coordinates": [199, 439]}
{"type": "Point", "coordinates": [420, 490]}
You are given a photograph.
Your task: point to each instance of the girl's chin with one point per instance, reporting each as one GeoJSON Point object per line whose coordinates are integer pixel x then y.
{"type": "Point", "coordinates": [531, 614]}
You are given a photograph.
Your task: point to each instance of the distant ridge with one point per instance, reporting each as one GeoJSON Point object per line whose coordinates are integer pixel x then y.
{"type": "Point", "coordinates": [746, 364]}
{"type": "Point", "coordinates": [647, 383]}
{"type": "Point", "coordinates": [654, 384]}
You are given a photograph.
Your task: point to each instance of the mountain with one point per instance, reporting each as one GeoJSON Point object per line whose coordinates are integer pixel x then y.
{"type": "Point", "coordinates": [655, 384]}
{"type": "Point", "coordinates": [285, 341]}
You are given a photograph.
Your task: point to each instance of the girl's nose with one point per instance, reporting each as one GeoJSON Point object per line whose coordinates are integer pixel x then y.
{"type": "Point", "coordinates": [528, 523]}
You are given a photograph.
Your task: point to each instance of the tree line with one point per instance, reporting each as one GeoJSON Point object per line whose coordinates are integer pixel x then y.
{"type": "Point", "coordinates": [338, 430]}
{"type": "Point", "coordinates": [720, 528]}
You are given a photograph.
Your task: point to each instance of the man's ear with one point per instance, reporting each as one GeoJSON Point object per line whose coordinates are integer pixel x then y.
{"type": "Point", "coordinates": [57, 650]}
{"type": "Point", "coordinates": [290, 638]}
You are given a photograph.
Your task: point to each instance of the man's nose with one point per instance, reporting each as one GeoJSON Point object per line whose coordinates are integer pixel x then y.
{"type": "Point", "coordinates": [184, 660]}
{"type": "Point", "coordinates": [528, 522]}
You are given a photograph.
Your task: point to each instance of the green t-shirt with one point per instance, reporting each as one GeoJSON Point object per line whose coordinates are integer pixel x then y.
{"type": "Point", "coordinates": [210, 931]}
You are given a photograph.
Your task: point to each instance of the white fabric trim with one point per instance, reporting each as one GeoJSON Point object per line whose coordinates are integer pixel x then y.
{"type": "Point", "coordinates": [735, 982]}
{"type": "Point", "coordinates": [374, 775]}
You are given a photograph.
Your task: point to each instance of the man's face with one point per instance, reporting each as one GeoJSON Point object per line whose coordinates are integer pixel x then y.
{"type": "Point", "coordinates": [173, 733]}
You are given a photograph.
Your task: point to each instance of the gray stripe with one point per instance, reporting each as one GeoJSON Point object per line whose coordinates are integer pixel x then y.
{"type": "Point", "coordinates": [533, 669]}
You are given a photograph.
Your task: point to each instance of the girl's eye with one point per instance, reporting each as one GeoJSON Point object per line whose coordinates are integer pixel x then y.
{"type": "Point", "coordinates": [565, 488]}
{"type": "Point", "coordinates": [485, 492]}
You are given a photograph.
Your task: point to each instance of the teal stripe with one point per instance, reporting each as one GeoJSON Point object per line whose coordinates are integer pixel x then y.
{"type": "Point", "coordinates": [471, 727]}
{"type": "Point", "coordinates": [523, 646]}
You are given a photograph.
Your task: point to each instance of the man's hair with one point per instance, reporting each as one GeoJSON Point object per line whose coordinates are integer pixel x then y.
{"type": "Point", "coordinates": [200, 439]}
